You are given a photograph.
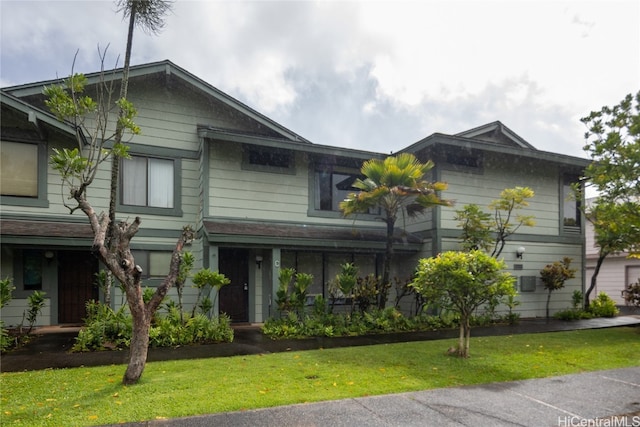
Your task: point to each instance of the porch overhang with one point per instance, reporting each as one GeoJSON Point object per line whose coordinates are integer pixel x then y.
{"type": "Point", "coordinates": [306, 235]}
{"type": "Point", "coordinates": [50, 233]}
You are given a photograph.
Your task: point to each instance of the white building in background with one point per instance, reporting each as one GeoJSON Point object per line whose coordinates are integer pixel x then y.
{"type": "Point", "coordinates": [616, 272]}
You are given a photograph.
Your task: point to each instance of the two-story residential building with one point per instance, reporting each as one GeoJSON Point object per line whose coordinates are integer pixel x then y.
{"type": "Point", "coordinates": [260, 196]}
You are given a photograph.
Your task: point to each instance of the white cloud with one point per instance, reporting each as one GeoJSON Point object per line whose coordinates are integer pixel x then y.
{"type": "Point", "coordinates": [369, 74]}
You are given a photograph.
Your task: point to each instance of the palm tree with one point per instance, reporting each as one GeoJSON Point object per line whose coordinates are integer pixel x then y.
{"type": "Point", "coordinates": [397, 186]}
{"type": "Point", "coordinates": [148, 15]}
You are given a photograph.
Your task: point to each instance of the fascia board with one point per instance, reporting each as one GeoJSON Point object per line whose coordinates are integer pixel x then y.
{"type": "Point", "coordinates": [41, 115]}
{"type": "Point", "coordinates": [168, 68]}
{"type": "Point", "coordinates": [216, 134]}
{"type": "Point", "coordinates": [468, 143]}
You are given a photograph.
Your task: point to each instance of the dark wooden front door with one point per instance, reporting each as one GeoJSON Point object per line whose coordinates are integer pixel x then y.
{"type": "Point", "coordinates": [234, 297]}
{"type": "Point", "coordinates": [76, 277]}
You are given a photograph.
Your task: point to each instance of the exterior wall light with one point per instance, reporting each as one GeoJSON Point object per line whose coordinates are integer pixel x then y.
{"type": "Point", "coordinates": [259, 261]}
{"type": "Point", "coordinates": [49, 255]}
{"type": "Point", "coordinates": [520, 252]}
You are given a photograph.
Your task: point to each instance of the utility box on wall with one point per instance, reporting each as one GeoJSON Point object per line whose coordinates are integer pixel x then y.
{"type": "Point", "coordinates": [528, 283]}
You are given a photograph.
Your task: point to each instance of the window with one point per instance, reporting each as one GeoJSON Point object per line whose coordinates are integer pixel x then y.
{"type": "Point", "coordinates": [267, 159]}
{"type": "Point", "coordinates": [32, 270]}
{"type": "Point", "coordinates": [155, 264]}
{"type": "Point", "coordinates": [465, 160]}
{"type": "Point", "coordinates": [325, 266]}
{"type": "Point", "coordinates": [571, 206]}
{"type": "Point", "coordinates": [19, 169]}
{"type": "Point", "coordinates": [332, 188]}
{"type": "Point", "coordinates": [148, 182]}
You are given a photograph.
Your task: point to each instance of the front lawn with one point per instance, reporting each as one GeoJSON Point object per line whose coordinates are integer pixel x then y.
{"type": "Point", "coordinates": [93, 396]}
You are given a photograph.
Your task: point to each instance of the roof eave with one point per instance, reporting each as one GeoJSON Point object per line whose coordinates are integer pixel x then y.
{"type": "Point", "coordinates": [168, 68]}
{"type": "Point", "coordinates": [208, 132]}
{"type": "Point", "coordinates": [36, 113]}
{"type": "Point", "coordinates": [464, 142]}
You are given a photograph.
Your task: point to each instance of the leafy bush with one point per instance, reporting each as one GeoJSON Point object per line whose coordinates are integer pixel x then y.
{"type": "Point", "coordinates": [576, 299]}
{"type": "Point", "coordinates": [36, 302]}
{"type": "Point", "coordinates": [375, 321]}
{"type": "Point", "coordinates": [108, 329]}
{"type": "Point", "coordinates": [198, 329]}
{"type": "Point", "coordinates": [572, 314]}
{"type": "Point", "coordinates": [6, 294]}
{"type": "Point", "coordinates": [292, 291]}
{"type": "Point", "coordinates": [603, 306]}
{"type": "Point", "coordinates": [632, 294]}
{"type": "Point", "coordinates": [204, 279]}
{"type": "Point", "coordinates": [104, 328]}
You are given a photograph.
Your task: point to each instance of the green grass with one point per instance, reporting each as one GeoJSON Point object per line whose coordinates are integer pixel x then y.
{"type": "Point", "coordinates": [90, 396]}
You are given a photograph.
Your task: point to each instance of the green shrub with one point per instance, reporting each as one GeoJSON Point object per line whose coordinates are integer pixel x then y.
{"type": "Point", "coordinates": [603, 306]}
{"type": "Point", "coordinates": [360, 323]}
{"type": "Point", "coordinates": [572, 314]}
{"type": "Point", "coordinates": [6, 294]}
{"type": "Point", "coordinates": [36, 303]}
{"type": "Point", "coordinates": [106, 329]}
{"type": "Point", "coordinates": [577, 299]}
{"type": "Point", "coordinates": [632, 294]}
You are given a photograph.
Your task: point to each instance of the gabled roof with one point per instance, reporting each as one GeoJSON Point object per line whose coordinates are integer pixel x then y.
{"type": "Point", "coordinates": [167, 68]}
{"type": "Point", "coordinates": [498, 133]}
{"type": "Point", "coordinates": [35, 115]}
{"type": "Point", "coordinates": [494, 137]}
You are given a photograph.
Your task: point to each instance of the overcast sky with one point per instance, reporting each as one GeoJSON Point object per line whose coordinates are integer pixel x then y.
{"type": "Point", "coordinates": [371, 75]}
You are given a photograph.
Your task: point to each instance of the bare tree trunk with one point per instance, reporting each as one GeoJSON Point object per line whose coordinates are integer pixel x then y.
{"type": "Point", "coordinates": [467, 339]}
{"type": "Point", "coordinates": [461, 338]}
{"type": "Point", "coordinates": [386, 272]}
{"type": "Point", "coordinates": [465, 336]}
{"type": "Point", "coordinates": [548, 301]}
{"type": "Point", "coordinates": [143, 313]}
{"type": "Point", "coordinates": [107, 288]}
{"type": "Point", "coordinates": [594, 279]}
{"type": "Point", "coordinates": [139, 347]}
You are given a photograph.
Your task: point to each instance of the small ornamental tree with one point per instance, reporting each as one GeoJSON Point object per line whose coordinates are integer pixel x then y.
{"type": "Point", "coordinates": [613, 233]}
{"type": "Point", "coordinates": [613, 144]}
{"type": "Point", "coordinates": [482, 230]}
{"type": "Point", "coordinates": [461, 282]}
{"type": "Point", "coordinates": [476, 227]}
{"type": "Point", "coordinates": [211, 279]}
{"type": "Point", "coordinates": [554, 275]}
{"type": "Point", "coordinates": [632, 294]}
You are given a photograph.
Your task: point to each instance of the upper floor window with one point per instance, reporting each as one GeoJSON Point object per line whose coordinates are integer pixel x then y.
{"type": "Point", "coordinates": [148, 181]}
{"type": "Point", "coordinates": [19, 169]}
{"type": "Point", "coordinates": [332, 188]}
{"type": "Point", "coordinates": [571, 205]}
{"type": "Point", "coordinates": [332, 185]}
{"type": "Point", "coordinates": [267, 159]}
{"type": "Point", "coordinates": [464, 159]}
